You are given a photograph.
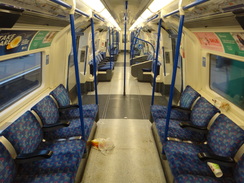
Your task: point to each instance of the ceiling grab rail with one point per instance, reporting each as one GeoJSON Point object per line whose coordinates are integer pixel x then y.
{"type": "Point", "coordinates": [156, 61]}
{"type": "Point", "coordinates": [125, 40]}
{"type": "Point", "coordinates": [69, 7]}
{"type": "Point", "coordinates": [197, 2]}
{"type": "Point", "coordinates": [94, 60]}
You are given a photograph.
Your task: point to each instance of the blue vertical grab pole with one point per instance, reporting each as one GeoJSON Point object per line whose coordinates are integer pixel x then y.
{"type": "Point", "coordinates": [94, 59]}
{"type": "Point", "coordinates": [126, 7]}
{"type": "Point", "coordinates": [156, 61]}
{"type": "Point", "coordinates": [72, 24]}
{"type": "Point", "coordinates": [181, 23]}
{"type": "Point", "coordinates": [110, 45]}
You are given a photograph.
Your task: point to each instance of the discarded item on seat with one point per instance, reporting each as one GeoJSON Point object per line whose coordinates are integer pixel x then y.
{"type": "Point", "coordinates": [215, 169]}
{"type": "Point", "coordinates": [102, 144]}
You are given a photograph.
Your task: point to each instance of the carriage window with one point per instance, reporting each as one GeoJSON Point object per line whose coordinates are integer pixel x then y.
{"type": "Point", "coordinates": [227, 78]}
{"type": "Point", "coordinates": [18, 77]}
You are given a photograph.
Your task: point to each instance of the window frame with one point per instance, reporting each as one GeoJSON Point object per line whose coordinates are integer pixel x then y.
{"type": "Point", "coordinates": [26, 92]}
{"type": "Point", "coordinates": [228, 56]}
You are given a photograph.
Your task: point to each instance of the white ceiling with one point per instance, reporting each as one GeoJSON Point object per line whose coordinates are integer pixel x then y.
{"type": "Point", "coordinates": [117, 9]}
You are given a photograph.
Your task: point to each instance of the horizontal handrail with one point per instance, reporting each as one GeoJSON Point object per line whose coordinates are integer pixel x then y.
{"type": "Point", "coordinates": [197, 2]}
{"type": "Point", "coordinates": [61, 3]}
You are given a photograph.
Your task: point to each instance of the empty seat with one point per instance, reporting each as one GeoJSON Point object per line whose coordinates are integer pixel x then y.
{"type": "Point", "coordinates": [223, 141]}
{"type": "Point", "coordinates": [200, 116]}
{"type": "Point", "coordinates": [61, 95]}
{"type": "Point", "coordinates": [26, 136]}
{"type": "Point", "coordinates": [187, 98]}
{"type": "Point", "coordinates": [48, 112]}
{"type": "Point", "coordinates": [238, 176]}
{"type": "Point", "coordinates": [10, 174]}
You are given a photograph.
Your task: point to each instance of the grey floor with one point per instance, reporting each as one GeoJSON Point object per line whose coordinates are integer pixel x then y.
{"type": "Point", "coordinates": [124, 119]}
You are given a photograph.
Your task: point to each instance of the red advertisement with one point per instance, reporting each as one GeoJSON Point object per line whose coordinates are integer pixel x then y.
{"type": "Point", "coordinates": [209, 40]}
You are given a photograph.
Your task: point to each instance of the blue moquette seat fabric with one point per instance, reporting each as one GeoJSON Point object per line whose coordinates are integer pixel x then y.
{"type": "Point", "coordinates": [224, 139]}
{"type": "Point", "coordinates": [62, 97]}
{"type": "Point", "coordinates": [48, 112]}
{"type": "Point", "coordinates": [9, 172]}
{"type": "Point", "coordinates": [238, 176]}
{"type": "Point", "coordinates": [25, 134]}
{"type": "Point", "coordinates": [200, 115]}
{"type": "Point", "coordinates": [188, 96]}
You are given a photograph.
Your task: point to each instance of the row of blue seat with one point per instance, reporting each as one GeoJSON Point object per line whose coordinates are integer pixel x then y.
{"type": "Point", "coordinates": [45, 144]}
{"type": "Point", "coordinates": [141, 59]}
{"type": "Point", "coordinates": [213, 136]}
{"type": "Point", "coordinates": [103, 63]}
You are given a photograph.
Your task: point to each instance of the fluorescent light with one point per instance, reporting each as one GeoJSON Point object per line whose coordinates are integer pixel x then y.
{"type": "Point", "coordinates": [139, 20]}
{"type": "Point", "coordinates": [158, 4]}
{"type": "Point", "coordinates": [105, 13]}
{"type": "Point", "coordinates": [146, 14]}
{"type": "Point", "coordinates": [113, 22]}
{"type": "Point", "coordinates": [136, 23]}
{"type": "Point", "coordinates": [96, 5]}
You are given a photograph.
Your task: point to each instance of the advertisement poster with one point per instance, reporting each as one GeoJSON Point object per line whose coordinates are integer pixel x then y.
{"type": "Point", "coordinates": [209, 40]}
{"type": "Point", "coordinates": [233, 43]}
{"type": "Point", "coordinates": [15, 41]}
{"type": "Point", "coordinates": [42, 39]}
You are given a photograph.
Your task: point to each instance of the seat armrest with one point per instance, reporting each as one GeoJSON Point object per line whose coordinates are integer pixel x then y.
{"type": "Point", "coordinates": [35, 156]}
{"type": "Point", "coordinates": [181, 109]}
{"type": "Point", "coordinates": [220, 160]}
{"type": "Point", "coordinates": [192, 127]}
{"type": "Point", "coordinates": [68, 107]}
{"type": "Point", "coordinates": [55, 126]}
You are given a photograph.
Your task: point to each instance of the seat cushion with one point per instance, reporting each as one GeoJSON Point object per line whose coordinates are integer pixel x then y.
{"type": "Point", "coordinates": [175, 131]}
{"type": "Point", "coordinates": [183, 159]}
{"type": "Point", "coordinates": [202, 112]}
{"type": "Point", "coordinates": [61, 95]}
{"type": "Point", "coordinates": [25, 133]}
{"type": "Point", "coordinates": [89, 111]}
{"type": "Point", "coordinates": [47, 110]}
{"type": "Point", "coordinates": [159, 111]}
{"type": "Point", "coordinates": [188, 96]}
{"type": "Point", "coordinates": [225, 137]}
{"type": "Point", "coordinates": [46, 178]}
{"type": "Point", "coordinates": [74, 129]}
{"type": "Point", "coordinates": [7, 165]}
{"type": "Point", "coordinates": [65, 158]}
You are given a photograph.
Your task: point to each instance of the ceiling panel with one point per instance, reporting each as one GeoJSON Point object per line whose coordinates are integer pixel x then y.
{"type": "Point", "coordinates": [117, 9]}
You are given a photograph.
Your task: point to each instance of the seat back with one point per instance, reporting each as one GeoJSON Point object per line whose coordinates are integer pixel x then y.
{"type": "Point", "coordinates": [225, 137]}
{"type": "Point", "coordinates": [47, 110]}
{"type": "Point", "coordinates": [188, 96]}
{"type": "Point", "coordinates": [61, 96]}
{"type": "Point", "coordinates": [239, 171]}
{"type": "Point", "coordinates": [7, 168]}
{"type": "Point", "coordinates": [25, 133]}
{"type": "Point", "coordinates": [202, 112]}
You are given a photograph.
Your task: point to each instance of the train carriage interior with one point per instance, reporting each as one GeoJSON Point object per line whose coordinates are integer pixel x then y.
{"type": "Point", "coordinates": [112, 91]}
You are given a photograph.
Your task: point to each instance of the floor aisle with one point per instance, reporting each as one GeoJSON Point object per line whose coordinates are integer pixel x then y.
{"type": "Point", "coordinates": [124, 119]}
{"type": "Point", "coordinates": [133, 160]}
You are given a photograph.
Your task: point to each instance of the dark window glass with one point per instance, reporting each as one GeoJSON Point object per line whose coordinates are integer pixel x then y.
{"type": "Point", "coordinates": [18, 77]}
{"type": "Point", "coordinates": [227, 78]}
